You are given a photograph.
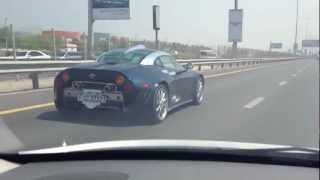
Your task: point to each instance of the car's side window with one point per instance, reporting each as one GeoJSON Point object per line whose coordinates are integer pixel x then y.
{"type": "Point", "coordinates": [167, 62]}
{"type": "Point", "coordinates": [33, 53]}
{"type": "Point", "coordinates": [157, 62]}
{"type": "Point", "coordinates": [177, 65]}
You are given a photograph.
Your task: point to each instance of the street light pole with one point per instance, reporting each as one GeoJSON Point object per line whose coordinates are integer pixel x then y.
{"type": "Point", "coordinates": [235, 43]}
{"type": "Point", "coordinates": [54, 44]}
{"type": "Point", "coordinates": [295, 46]}
{"type": "Point", "coordinates": [90, 29]}
{"type": "Point", "coordinates": [85, 46]}
{"type": "Point", "coordinates": [6, 31]}
{"type": "Point", "coordinates": [13, 37]}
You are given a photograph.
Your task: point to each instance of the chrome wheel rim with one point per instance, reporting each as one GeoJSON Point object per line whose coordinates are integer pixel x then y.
{"type": "Point", "coordinates": [199, 91]}
{"type": "Point", "coordinates": [161, 106]}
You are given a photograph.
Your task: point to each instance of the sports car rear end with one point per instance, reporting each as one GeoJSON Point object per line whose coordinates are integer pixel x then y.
{"type": "Point", "coordinates": [93, 88]}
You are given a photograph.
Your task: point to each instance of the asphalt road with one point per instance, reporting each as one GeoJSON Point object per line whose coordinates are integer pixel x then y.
{"type": "Point", "coordinates": [277, 103]}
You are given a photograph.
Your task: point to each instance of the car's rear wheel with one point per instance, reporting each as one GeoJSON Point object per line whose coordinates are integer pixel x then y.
{"type": "Point", "coordinates": [199, 92]}
{"type": "Point", "coordinates": [160, 103]}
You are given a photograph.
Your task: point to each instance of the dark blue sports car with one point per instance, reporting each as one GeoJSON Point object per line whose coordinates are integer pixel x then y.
{"type": "Point", "coordinates": [129, 79]}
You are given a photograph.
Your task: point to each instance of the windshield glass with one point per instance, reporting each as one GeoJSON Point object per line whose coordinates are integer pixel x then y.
{"type": "Point", "coordinates": [122, 56]}
{"type": "Point", "coordinates": [237, 71]}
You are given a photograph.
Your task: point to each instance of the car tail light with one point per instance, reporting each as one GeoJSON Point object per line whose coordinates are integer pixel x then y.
{"type": "Point", "coordinates": [127, 88]}
{"type": "Point", "coordinates": [146, 86]}
{"type": "Point", "coordinates": [65, 76]}
{"type": "Point", "coordinates": [119, 80]}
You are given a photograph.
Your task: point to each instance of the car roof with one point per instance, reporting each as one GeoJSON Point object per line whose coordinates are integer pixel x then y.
{"type": "Point", "coordinates": [151, 54]}
{"type": "Point", "coordinates": [150, 59]}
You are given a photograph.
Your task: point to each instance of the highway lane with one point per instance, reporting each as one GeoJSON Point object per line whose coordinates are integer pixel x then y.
{"type": "Point", "coordinates": [277, 104]}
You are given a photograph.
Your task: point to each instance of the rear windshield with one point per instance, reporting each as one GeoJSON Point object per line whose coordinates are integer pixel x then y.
{"type": "Point", "coordinates": [121, 56]}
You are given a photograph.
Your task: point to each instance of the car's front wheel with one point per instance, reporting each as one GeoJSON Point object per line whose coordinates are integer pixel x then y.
{"type": "Point", "coordinates": [160, 103]}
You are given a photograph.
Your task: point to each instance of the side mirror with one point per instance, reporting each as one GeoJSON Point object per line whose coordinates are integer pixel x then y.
{"type": "Point", "coordinates": [188, 66]}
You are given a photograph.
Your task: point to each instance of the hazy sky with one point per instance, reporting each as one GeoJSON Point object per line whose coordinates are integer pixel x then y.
{"type": "Point", "coordinates": [187, 21]}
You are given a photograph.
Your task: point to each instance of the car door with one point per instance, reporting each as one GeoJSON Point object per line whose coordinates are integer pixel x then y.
{"type": "Point", "coordinates": [185, 80]}
{"type": "Point", "coordinates": [35, 55]}
{"type": "Point", "coordinates": [182, 82]}
{"type": "Point", "coordinates": [168, 72]}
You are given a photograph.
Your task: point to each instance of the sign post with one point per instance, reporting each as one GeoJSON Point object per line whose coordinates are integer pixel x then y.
{"type": "Point", "coordinates": [156, 23]}
{"type": "Point", "coordinates": [235, 27]}
{"type": "Point", "coordinates": [105, 10]}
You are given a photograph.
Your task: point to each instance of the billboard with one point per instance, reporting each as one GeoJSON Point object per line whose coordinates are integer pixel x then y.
{"type": "Point", "coordinates": [310, 43]}
{"type": "Point", "coordinates": [110, 9]}
{"type": "Point", "coordinates": [235, 25]}
{"type": "Point", "coordinates": [275, 45]}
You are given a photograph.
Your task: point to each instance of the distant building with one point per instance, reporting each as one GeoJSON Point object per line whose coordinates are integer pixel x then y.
{"type": "Point", "coordinates": [310, 47]}
{"type": "Point", "coordinates": [70, 39]}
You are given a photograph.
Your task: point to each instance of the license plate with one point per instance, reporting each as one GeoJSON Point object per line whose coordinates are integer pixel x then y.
{"type": "Point", "coordinates": [92, 98]}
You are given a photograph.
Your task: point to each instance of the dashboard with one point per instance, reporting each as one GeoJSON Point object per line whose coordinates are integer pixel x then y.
{"type": "Point", "coordinates": [157, 170]}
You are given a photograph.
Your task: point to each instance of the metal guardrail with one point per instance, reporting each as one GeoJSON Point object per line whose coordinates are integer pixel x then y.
{"type": "Point", "coordinates": [7, 65]}
{"type": "Point", "coordinates": [34, 68]}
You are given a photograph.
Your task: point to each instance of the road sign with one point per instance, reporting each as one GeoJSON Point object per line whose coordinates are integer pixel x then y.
{"type": "Point", "coordinates": [275, 45]}
{"type": "Point", "coordinates": [235, 25]}
{"type": "Point", "coordinates": [156, 23]}
{"type": "Point", "coordinates": [156, 17]}
{"type": "Point", "coordinates": [110, 9]}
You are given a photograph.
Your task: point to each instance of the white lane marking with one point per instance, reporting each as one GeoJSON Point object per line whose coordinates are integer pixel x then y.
{"type": "Point", "coordinates": [232, 72]}
{"type": "Point", "coordinates": [293, 75]}
{"type": "Point", "coordinates": [283, 83]}
{"type": "Point", "coordinates": [25, 92]}
{"type": "Point", "coordinates": [254, 103]}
